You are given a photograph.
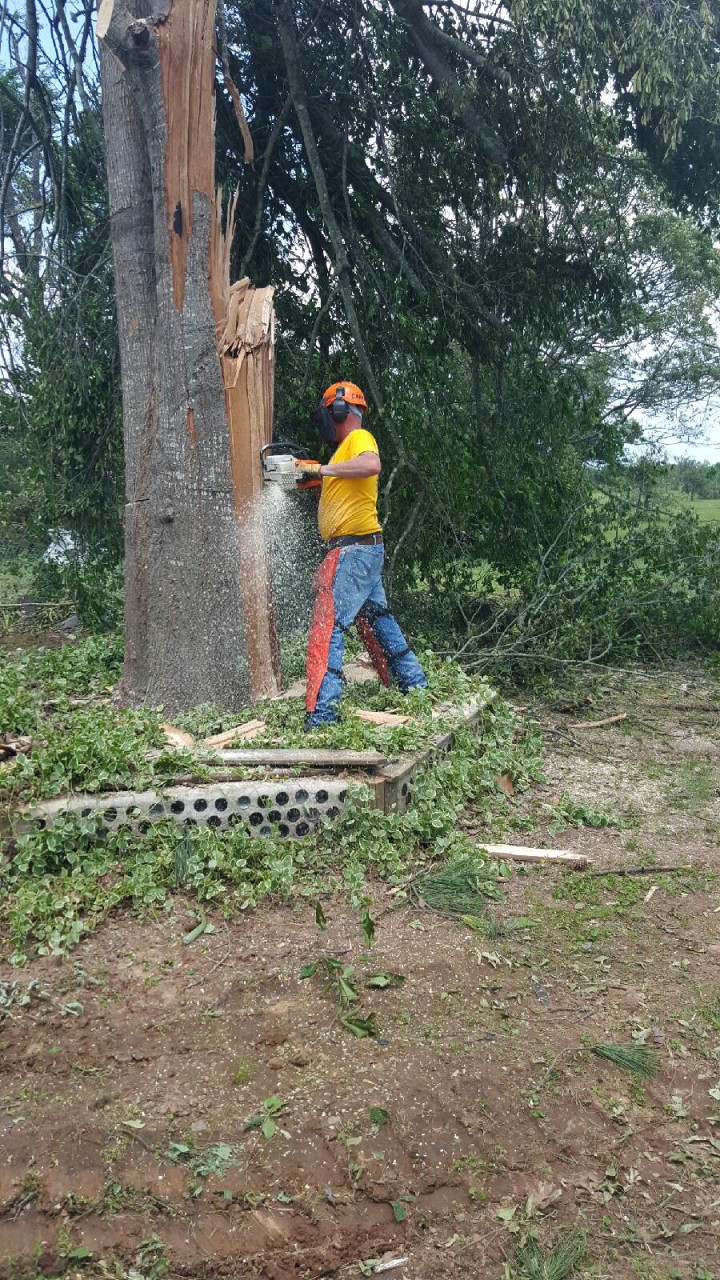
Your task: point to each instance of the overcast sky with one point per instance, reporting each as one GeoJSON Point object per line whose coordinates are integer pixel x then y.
{"type": "Point", "coordinates": [705, 445]}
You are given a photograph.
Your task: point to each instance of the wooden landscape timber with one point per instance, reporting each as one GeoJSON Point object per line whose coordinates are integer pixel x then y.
{"type": "Point", "coordinates": [287, 757]}
{"type": "Point", "coordinates": [197, 363]}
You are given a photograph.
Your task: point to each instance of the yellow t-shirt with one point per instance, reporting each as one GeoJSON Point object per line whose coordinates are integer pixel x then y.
{"type": "Point", "coordinates": [349, 506]}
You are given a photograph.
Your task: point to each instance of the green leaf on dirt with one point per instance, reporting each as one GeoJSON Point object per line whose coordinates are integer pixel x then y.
{"type": "Point", "coordinates": [176, 1151]}
{"type": "Point", "coordinates": [272, 1106]}
{"type": "Point", "coordinates": [320, 918]}
{"type": "Point", "coordinates": [195, 933]}
{"type": "Point", "coordinates": [399, 1210]}
{"type": "Point", "coordinates": [308, 970]}
{"type": "Point", "coordinates": [347, 992]}
{"type": "Point", "coordinates": [367, 924]}
{"type": "Point", "coordinates": [379, 1115]}
{"type": "Point", "coordinates": [506, 1215]}
{"type": "Point", "coordinates": [78, 1254]}
{"type": "Point", "coordinates": [382, 980]}
{"type": "Point", "coordinates": [359, 1026]}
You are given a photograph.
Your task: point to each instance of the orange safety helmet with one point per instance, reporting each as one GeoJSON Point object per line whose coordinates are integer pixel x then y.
{"type": "Point", "coordinates": [346, 391]}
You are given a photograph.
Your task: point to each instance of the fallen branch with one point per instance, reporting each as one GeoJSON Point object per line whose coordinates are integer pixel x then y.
{"type": "Point", "coordinates": [197, 981]}
{"type": "Point", "coordinates": [641, 871]}
{"type": "Point", "coordinates": [597, 724]}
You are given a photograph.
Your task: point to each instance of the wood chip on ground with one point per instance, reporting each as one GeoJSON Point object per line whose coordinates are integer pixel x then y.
{"type": "Point", "coordinates": [177, 737]}
{"type": "Point", "coordinates": [380, 717]}
{"type": "Point", "coordinates": [246, 732]}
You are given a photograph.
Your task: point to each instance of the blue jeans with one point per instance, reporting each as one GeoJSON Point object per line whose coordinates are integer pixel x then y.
{"type": "Point", "coordinates": [354, 577]}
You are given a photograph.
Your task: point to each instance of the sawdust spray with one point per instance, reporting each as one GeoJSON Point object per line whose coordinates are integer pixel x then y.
{"type": "Point", "coordinates": [287, 520]}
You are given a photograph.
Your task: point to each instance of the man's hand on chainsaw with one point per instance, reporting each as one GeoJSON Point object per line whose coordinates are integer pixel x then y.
{"type": "Point", "coordinates": [306, 470]}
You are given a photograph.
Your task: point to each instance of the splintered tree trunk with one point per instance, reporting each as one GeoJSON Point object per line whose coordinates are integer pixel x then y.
{"type": "Point", "coordinates": [197, 372]}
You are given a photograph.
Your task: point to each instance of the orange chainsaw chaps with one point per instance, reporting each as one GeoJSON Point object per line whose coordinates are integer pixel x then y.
{"type": "Point", "coordinates": [377, 657]}
{"type": "Point", "coordinates": [321, 628]}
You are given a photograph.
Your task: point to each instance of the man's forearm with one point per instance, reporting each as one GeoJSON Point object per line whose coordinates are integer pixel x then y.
{"type": "Point", "coordinates": [360, 468]}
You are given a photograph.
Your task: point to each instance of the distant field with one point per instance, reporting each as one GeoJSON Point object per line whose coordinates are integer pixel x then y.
{"type": "Point", "coordinates": [707, 510]}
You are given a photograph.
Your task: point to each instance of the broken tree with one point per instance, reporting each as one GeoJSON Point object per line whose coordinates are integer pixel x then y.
{"type": "Point", "coordinates": [197, 372]}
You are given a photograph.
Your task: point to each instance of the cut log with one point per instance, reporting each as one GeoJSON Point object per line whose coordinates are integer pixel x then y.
{"type": "Point", "coordinates": [519, 853]}
{"type": "Point", "coordinates": [248, 730]}
{"type": "Point", "coordinates": [317, 757]}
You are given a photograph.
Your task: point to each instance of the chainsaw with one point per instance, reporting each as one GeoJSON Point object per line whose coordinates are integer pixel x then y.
{"type": "Point", "coordinates": [282, 464]}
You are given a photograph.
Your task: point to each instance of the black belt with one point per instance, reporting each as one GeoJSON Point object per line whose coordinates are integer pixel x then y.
{"type": "Point", "coordinates": [353, 540]}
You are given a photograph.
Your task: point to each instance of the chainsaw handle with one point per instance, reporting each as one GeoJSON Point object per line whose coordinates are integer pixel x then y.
{"type": "Point", "coordinates": [307, 473]}
{"type": "Point", "coordinates": [284, 446]}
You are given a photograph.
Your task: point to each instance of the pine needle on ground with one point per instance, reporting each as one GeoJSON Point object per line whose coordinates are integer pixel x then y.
{"type": "Point", "coordinates": [535, 1263]}
{"type": "Point", "coordinates": [458, 888]}
{"type": "Point", "coordinates": [639, 1059]}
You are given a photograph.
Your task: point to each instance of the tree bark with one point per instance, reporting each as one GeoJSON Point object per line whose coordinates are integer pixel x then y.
{"type": "Point", "coordinates": [198, 617]}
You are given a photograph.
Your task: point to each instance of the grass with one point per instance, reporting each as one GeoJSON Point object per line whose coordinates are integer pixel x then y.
{"type": "Point", "coordinates": [693, 786]}
{"type": "Point", "coordinates": [707, 510]}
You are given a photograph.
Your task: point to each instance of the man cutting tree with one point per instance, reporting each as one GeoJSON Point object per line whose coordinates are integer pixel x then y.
{"type": "Point", "coordinates": [349, 581]}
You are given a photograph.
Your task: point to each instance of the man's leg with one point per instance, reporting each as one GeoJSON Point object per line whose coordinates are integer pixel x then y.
{"type": "Point", "coordinates": [400, 658]}
{"type": "Point", "coordinates": [345, 579]}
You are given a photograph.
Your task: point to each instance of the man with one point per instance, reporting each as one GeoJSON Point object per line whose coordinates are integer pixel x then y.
{"type": "Point", "coordinates": [349, 583]}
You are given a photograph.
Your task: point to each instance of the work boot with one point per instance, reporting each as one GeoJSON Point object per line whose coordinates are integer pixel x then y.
{"type": "Point", "coordinates": [312, 723]}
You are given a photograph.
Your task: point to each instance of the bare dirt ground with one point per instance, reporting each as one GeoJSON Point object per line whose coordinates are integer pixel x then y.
{"type": "Point", "coordinates": [126, 1089]}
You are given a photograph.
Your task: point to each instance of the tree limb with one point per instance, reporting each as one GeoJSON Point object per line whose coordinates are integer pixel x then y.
{"type": "Point", "coordinates": [249, 151]}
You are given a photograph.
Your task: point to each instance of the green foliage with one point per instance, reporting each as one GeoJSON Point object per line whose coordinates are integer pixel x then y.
{"type": "Point", "coordinates": [615, 587]}
{"type": "Point", "coordinates": [625, 891]}
{"type": "Point", "coordinates": [697, 479]}
{"type": "Point", "coordinates": [202, 1162]}
{"type": "Point", "coordinates": [61, 455]}
{"type": "Point", "coordinates": [266, 1122]}
{"type": "Point", "coordinates": [568, 812]}
{"type": "Point", "coordinates": [63, 880]}
{"type": "Point", "coordinates": [34, 677]}
{"type": "Point", "coordinates": [88, 749]}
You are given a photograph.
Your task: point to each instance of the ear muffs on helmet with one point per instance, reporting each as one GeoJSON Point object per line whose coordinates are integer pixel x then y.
{"type": "Point", "coordinates": [327, 417]}
{"type": "Point", "coordinates": [339, 408]}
